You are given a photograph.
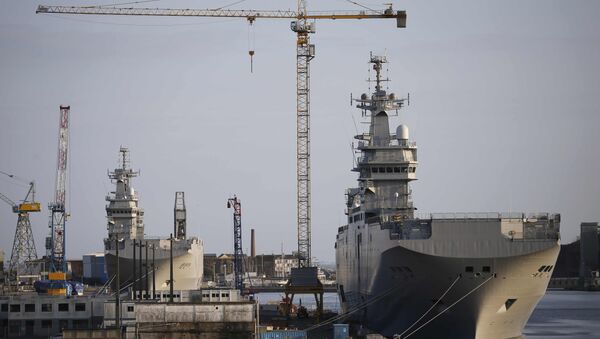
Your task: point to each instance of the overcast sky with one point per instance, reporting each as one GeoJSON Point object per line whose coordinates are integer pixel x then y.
{"type": "Point", "coordinates": [504, 108]}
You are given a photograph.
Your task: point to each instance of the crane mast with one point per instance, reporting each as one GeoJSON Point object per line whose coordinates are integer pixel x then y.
{"type": "Point", "coordinates": [55, 243]}
{"type": "Point", "coordinates": [303, 26]}
{"type": "Point", "coordinates": [238, 254]}
{"type": "Point", "coordinates": [305, 52]}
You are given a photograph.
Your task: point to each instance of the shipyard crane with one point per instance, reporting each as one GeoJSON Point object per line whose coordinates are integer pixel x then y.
{"type": "Point", "coordinates": [303, 26]}
{"type": "Point", "coordinates": [238, 255]}
{"type": "Point", "coordinates": [23, 251]}
{"type": "Point", "coordinates": [180, 216]}
{"type": "Point", "coordinates": [55, 243]}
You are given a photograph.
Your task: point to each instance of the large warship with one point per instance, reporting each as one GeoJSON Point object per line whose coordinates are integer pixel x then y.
{"type": "Point", "coordinates": [126, 228]}
{"type": "Point", "coordinates": [447, 275]}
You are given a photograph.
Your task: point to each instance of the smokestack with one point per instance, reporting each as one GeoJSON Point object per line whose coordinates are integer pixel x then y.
{"type": "Point", "coordinates": [252, 244]}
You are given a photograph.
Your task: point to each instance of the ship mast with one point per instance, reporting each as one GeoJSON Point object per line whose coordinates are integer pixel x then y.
{"type": "Point", "coordinates": [124, 215]}
{"type": "Point", "coordinates": [388, 161]}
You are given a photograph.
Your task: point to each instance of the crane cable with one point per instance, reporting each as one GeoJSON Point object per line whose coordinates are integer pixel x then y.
{"type": "Point", "coordinates": [17, 178]}
{"type": "Point", "coordinates": [251, 42]}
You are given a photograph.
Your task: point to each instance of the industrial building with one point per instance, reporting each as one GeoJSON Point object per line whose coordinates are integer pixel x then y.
{"type": "Point", "coordinates": [578, 264]}
{"type": "Point", "coordinates": [29, 315]}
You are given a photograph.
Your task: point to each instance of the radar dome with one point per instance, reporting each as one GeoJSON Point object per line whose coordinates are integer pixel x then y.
{"type": "Point", "coordinates": [364, 96]}
{"type": "Point", "coordinates": [402, 132]}
{"type": "Point", "coordinates": [392, 96]}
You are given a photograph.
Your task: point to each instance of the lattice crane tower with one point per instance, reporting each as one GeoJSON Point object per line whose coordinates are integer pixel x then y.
{"type": "Point", "coordinates": [55, 243]}
{"type": "Point", "coordinates": [238, 255]}
{"type": "Point", "coordinates": [23, 250]}
{"type": "Point", "coordinates": [303, 26]}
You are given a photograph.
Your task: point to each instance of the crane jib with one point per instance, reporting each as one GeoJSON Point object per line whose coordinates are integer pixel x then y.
{"type": "Point", "coordinates": [249, 14]}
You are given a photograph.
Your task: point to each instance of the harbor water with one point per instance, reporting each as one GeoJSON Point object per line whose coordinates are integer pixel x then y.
{"type": "Point", "coordinates": [560, 314]}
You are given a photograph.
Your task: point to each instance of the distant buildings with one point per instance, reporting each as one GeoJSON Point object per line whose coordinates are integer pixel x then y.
{"type": "Point", "coordinates": [590, 250]}
{"type": "Point", "coordinates": [267, 266]}
{"type": "Point", "coordinates": [578, 264]}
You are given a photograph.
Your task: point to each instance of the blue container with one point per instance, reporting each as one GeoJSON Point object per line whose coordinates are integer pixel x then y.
{"type": "Point", "coordinates": [340, 331]}
{"type": "Point", "coordinates": [282, 334]}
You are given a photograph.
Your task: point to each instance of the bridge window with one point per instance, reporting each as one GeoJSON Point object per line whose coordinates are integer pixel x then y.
{"type": "Point", "coordinates": [469, 269]}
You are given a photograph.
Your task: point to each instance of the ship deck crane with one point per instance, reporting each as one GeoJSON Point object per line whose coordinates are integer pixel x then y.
{"type": "Point", "coordinates": [23, 251]}
{"type": "Point", "coordinates": [303, 26]}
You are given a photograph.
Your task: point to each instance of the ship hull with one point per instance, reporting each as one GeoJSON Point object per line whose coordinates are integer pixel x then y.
{"type": "Point", "coordinates": [187, 266]}
{"type": "Point", "coordinates": [474, 305]}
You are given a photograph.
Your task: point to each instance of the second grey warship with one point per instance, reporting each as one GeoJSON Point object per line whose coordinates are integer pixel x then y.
{"type": "Point", "coordinates": [446, 275]}
{"type": "Point", "coordinates": [126, 227]}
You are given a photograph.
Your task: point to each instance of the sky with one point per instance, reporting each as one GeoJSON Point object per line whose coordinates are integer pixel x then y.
{"type": "Point", "coordinates": [503, 107]}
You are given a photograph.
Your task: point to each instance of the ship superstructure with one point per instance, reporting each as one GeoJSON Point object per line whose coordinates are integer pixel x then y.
{"type": "Point", "coordinates": [450, 275]}
{"type": "Point", "coordinates": [141, 256]}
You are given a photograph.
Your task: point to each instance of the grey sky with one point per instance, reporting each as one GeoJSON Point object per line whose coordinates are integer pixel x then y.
{"type": "Point", "coordinates": [503, 107]}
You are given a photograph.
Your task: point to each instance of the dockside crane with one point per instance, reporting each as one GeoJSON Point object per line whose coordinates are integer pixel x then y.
{"type": "Point", "coordinates": [238, 254]}
{"type": "Point", "coordinates": [180, 216]}
{"type": "Point", "coordinates": [55, 243]}
{"type": "Point", "coordinates": [303, 26]}
{"type": "Point", "coordinates": [23, 250]}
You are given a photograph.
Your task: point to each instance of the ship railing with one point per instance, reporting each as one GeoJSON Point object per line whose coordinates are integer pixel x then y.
{"type": "Point", "coordinates": [393, 143]}
{"type": "Point", "coordinates": [490, 215]}
{"type": "Point", "coordinates": [528, 226]}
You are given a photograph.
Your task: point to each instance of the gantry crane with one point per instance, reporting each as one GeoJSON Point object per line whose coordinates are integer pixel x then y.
{"type": "Point", "coordinates": [23, 251]}
{"type": "Point", "coordinates": [55, 243]}
{"type": "Point", "coordinates": [303, 26]}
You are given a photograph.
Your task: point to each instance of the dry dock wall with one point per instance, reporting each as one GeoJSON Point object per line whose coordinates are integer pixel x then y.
{"type": "Point", "coordinates": [210, 320]}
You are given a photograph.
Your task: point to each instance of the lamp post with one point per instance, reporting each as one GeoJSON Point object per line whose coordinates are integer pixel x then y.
{"type": "Point", "coordinates": [171, 269]}
{"type": "Point", "coordinates": [139, 281]}
{"type": "Point", "coordinates": [134, 281]}
{"type": "Point", "coordinates": [153, 273]}
{"type": "Point", "coordinates": [118, 295]}
{"type": "Point", "coordinates": [146, 264]}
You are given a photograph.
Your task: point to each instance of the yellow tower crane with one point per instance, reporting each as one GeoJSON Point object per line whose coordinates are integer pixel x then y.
{"type": "Point", "coordinates": [303, 26]}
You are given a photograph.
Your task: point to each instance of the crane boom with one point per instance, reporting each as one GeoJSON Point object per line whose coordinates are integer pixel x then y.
{"type": "Point", "coordinates": [10, 202]}
{"type": "Point", "coordinates": [387, 13]}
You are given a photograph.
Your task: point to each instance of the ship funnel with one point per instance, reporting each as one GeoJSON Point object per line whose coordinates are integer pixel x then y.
{"type": "Point", "coordinates": [402, 132]}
